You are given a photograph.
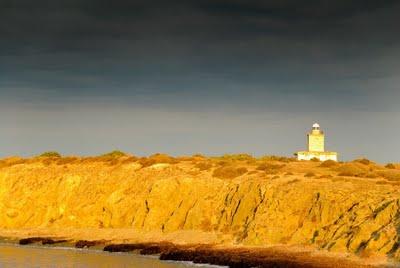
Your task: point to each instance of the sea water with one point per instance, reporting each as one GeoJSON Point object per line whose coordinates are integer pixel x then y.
{"type": "Point", "coordinates": [37, 256]}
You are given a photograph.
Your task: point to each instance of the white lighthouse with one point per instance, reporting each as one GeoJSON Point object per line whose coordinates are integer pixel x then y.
{"type": "Point", "coordinates": [316, 146]}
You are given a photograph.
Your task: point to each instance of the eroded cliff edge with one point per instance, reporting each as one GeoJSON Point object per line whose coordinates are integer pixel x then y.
{"type": "Point", "coordinates": [264, 203]}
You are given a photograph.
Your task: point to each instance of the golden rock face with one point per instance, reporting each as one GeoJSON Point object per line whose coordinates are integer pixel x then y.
{"type": "Point", "coordinates": [272, 203]}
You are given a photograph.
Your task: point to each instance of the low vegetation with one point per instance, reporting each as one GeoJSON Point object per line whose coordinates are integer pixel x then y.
{"type": "Point", "coordinates": [277, 158]}
{"type": "Point", "coordinates": [229, 166]}
{"type": "Point", "coordinates": [67, 160]}
{"type": "Point", "coordinates": [157, 159]}
{"type": "Point", "coordinates": [270, 168]}
{"type": "Point", "coordinates": [52, 154]}
{"type": "Point", "coordinates": [390, 174]}
{"type": "Point", "coordinates": [328, 164]}
{"type": "Point", "coordinates": [229, 172]}
{"type": "Point", "coordinates": [390, 166]}
{"type": "Point", "coordinates": [363, 161]}
{"type": "Point", "coordinates": [114, 154]}
{"type": "Point", "coordinates": [237, 157]}
{"type": "Point", "coordinates": [204, 165]}
{"type": "Point", "coordinates": [352, 169]}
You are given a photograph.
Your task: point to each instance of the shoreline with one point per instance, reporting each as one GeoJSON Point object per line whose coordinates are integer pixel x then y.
{"type": "Point", "coordinates": [203, 253]}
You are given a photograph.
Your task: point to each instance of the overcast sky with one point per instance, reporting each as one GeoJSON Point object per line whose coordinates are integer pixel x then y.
{"type": "Point", "coordinates": [212, 76]}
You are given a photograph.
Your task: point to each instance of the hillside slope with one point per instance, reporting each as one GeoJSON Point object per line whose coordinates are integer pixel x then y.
{"type": "Point", "coordinates": [351, 207]}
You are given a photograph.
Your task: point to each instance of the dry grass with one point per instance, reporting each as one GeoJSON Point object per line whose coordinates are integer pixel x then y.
{"type": "Point", "coordinates": [329, 164]}
{"type": "Point", "coordinates": [270, 168]}
{"type": "Point", "coordinates": [157, 159]}
{"type": "Point", "coordinates": [325, 176]}
{"type": "Point", "coordinates": [390, 166]}
{"type": "Point", "coordinates": [383, 182]}
{"type": "Point", "coordinates": [146, 162]}
{"type": "Point", "coordinates": [237, 157]}
{"type": "Point", "coordinates": [309, 174]}
{"type": "Point", "coordinates": [363, 161]}
{"type": "Point", "coordinates": [352, 169]}
{"type": "Point", "coordinates": [390, 174]}
{"type": "Point", "coordinates": [224, 163]}
{"type": "Point", "coordinates": [277, 158]}
{"type": "Point", "coordinates": [372, 175]}
{"type": "Point", "coordinates": [293, 181]}
{"type": "Point", "coordinates": [234, 165]}
{"type": "Point", "coordinates": [186, 158]}
{"type": "Point", "coordinates": [67, 160]}
{"type": "Point", "coordinates": [11, 161]}
{"type": "Point", "coordinates": [129, 160]}
{"type": "Point", "coordinates": [229, 172]}
{"type": "Point", "coordinates": [204, 165]}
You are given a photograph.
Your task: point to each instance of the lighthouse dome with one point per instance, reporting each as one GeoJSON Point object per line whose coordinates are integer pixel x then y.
{"type": "Point", "coordinates": [315, 126]}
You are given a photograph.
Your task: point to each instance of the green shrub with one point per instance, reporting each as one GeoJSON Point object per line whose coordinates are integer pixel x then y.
{"type": "Point", "coordinates": [52, 154]}
{"type": "Point", "coordinates": [238, 157]}
{"type": "Point", "coordinates": [314, 159]}
{"type": "Point", "coordinates": [114, 154]}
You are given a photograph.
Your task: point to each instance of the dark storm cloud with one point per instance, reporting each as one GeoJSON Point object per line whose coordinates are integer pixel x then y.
{"type": "Point", "coordinates": [78, 21]}
{"type": "Point", "coordinates": [185, 67]}
{"type": "Point", "coordinates": [296, 10]}
{"type": "Point", "coordinates": [87, 46]}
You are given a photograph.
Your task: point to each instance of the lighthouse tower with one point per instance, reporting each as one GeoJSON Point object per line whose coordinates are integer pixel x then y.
{"type": "Point", "coordinates": [316, 146]}
{"type": "Point", "coordinates": [316, 139]}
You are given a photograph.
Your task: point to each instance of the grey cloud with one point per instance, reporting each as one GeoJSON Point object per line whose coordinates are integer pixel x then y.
{"type": "Point", "coordinates": [263, 62]}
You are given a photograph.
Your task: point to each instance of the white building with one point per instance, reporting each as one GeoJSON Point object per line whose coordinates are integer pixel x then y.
{"type": "Point", "coordinates": [316, 146]}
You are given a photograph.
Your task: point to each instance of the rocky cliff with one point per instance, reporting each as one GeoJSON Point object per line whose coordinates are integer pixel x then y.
{"type": "Point", "coordinates": [248, 202]}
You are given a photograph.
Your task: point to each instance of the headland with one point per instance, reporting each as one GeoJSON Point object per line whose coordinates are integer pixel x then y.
{"type": "Point", "coordinates": [234, 208]}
